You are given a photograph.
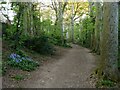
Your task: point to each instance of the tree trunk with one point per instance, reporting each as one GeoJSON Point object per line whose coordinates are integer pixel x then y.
{"type": "Point", "coordinates": [98, 26]}
{"type": "Point", "coordinates": [61, 22]}
{"type": "Point", "coordinates": [72, 24]}
{"type": "Point", "coordinates": [25, 21]}
{"type": "Point", "coordinates": [109, 52]}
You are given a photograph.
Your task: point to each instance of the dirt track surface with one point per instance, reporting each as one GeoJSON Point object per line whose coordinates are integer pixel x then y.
{"type": "Point", "coordinates": [70, 71]}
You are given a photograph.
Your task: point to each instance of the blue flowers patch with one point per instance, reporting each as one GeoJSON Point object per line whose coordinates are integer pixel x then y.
{"type": "Point", "coordinates": [17, 58]}
{"type": "Point", "coordinates": [22, 62]}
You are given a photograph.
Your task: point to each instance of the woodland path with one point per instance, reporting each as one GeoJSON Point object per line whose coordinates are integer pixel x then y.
{"type": "Point", "coordinates": [70, 71]}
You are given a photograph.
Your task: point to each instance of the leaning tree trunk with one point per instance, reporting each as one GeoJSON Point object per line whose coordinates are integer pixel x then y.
{"type": "Point", "coordinates": [109, 52]}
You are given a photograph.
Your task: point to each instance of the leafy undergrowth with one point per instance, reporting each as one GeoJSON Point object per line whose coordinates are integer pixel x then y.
{"type": "Point", "coordinates": [16, 65]}
{"type": "Point", "coordinates": [22, 62]}
{"type": "Point", "coordinates": [24, 59]}
{"type": "Point", "coordinates": [105, 83]}
{"type": "Point", "coordinates": [18, 77]}
{"type": "Point", "coordinates": [40, 44]}
{"type": "Point", "coordinates": [12, 77]}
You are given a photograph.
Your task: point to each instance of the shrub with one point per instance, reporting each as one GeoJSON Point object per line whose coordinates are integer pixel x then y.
{"type": "Point", "coordinates": [40, 44]}
{"type": "Point", "coordinates": [24, 63]}
{"type": "Point", "coordinates": [56, 40]}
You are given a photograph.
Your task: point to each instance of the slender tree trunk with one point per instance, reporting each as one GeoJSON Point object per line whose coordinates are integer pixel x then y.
{"type": "Point", "coordinates": [61, 22]}
{"type": "Point", "coordinates": [17, 34]}
{"type": "Point", "coordinates": [98, 26]}
{"type": "Point", "coordinates": [30, 19]}
{"type": "Point", "coordinates": [25, 20]}
{"type": "Point", "coordinates": [72, 23]}
{"type": "Point", "coordinates": [91, 13]}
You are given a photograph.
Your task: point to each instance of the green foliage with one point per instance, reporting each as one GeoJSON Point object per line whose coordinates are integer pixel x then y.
{"type": "Point", "coordinates": [3, 68]}
{"type": "Point", "coordinates": [21, 53]}
{"type": "Point", "coordinates": [57, 41]}
{"type": "Point", "coordinates": [86, 31]}
{"type": "Point", "coordinates": [40, 44]}
{"type": "Point", "coordinates": [23, 63]}
{"type": "Point", "coordinates": [18, 77]}
{"type": "Point", "coordinates": [105, 83]}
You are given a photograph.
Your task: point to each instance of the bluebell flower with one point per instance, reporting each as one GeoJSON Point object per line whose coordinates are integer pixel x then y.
{"type": "Point", "coordinates": [17, 58]}
{"type": "Point", "coordinates": [17, 61]}
{"type": "Point", "coordinates": [13, 58]}
{"type": "Point", "coordinates": [20, 60]}
{"type": "Point", "coordinates": [15, 55]}
{"type": "Point", "coordinates": [12, 55]}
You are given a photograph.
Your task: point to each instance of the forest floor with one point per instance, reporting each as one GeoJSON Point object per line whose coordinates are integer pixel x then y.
{"type": "Point", "coordinates": [71, 69]}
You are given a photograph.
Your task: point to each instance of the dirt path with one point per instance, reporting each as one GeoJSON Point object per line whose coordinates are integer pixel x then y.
{"type": "Point", "coordinates": [71, 71]}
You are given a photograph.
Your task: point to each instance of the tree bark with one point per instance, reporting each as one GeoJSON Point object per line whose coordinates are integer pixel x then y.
{"type": "Point", "coordinates": [61, 22]}
{"type": "Point", "coordinates": [98, 26]}
{"type": "Point", "coordinates": [109, 52]}
{"type": "Point", "coordinates": [72, 24]}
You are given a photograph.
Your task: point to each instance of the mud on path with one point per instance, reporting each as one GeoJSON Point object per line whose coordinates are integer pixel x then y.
{"type": "Point", "coordinates": [71, 70]}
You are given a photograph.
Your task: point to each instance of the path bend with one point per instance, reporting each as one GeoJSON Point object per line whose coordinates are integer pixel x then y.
{"type": "Point", "coordinates": [70, 71]}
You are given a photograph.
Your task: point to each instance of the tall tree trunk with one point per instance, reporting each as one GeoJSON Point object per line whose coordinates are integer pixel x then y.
{"type": "Point", "coordinates": [61, 22]}
{"type": "Point", "coordinates": [119, 38]}
{"type": "Point", "coordinates": [25, 21]}
{"type": "Point", "coordinates": [91, 13]}
{"type": "Point", "coordinates": [109, 52]}
{"type": "Point", "coordinates": [31, 18]}
{"type": "Point", "coordinates": [98, 26]}
{"type": "Point", "coordinates": [72, 24]}
{"type": "Point", "coordinates": [18, 32]}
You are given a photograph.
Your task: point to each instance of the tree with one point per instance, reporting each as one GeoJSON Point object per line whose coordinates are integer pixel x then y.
{"type": "Point", "coordinates": [72, 23]}
{"type": "Point", "coordinates": [98, 26]}
{"type": "Point", "coordinates": [109, 48]}
{"type": "Point", "coordinates": [59, 8]}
